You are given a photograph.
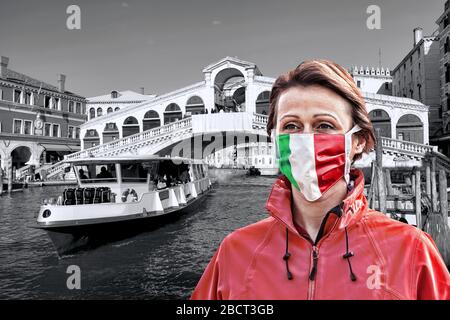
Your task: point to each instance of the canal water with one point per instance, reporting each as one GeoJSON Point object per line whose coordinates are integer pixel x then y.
{"type": "Point", "coordinates": [165, 263]}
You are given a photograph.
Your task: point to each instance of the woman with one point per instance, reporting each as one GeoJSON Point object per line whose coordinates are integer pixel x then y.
{"type": "Point", "coordinates": [321, 240]}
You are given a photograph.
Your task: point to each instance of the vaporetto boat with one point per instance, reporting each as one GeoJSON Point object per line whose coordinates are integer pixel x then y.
{"type": "Point", "coordinates": [120, 197]}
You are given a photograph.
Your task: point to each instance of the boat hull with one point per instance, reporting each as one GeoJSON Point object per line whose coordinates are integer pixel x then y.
{"type": "Point", "coordinates": [71, 239]}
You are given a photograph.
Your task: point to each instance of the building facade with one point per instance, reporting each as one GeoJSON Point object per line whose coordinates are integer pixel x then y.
{"type": "Point", "coordinates": [417, 77]}
{"type": "Point", "coordinates": [106, 104]}
{"type": "Point", "coordinates": [374, 80]}
{"type": "Point", "coordinates": [39, 122]}
{"type": "Point", "coordinates": [442, 139]}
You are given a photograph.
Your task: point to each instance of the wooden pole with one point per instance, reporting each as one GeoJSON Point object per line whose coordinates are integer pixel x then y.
{"type": "Point", "coordinates": [443, 196]}
{"type": "Point", "coordinates": [418, 199]}
{"type": "Point", "coordinates": [390, 189]}
{"type": "Point", "coordinates": [434, 196]}
{"type": "Point", "coordinates": [1, 181]}
{"type": "Point", "coordinates": [371, 192]}
{"type": "Point", "coordinates": [413, 183]}
{"type": "Point", "coordinates": [428, 179]}
{"type": "Point", "coordinates": [10, 178]}
{"type": "Point", "coordinates": [380, 178]}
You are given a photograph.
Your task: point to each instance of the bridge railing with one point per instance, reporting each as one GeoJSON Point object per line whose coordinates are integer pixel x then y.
{"type": "Point", "coordinates": [109, 146]}
{"type": "Point", "coordinates": [418, 149]}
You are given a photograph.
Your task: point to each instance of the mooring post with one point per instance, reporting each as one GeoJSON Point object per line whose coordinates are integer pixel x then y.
{"type": "Point", "coordinates": [1, 181]}
{"type": "Point", "coordinates": [418, 195]}
{"type": "Point", "coordinates": [443, 196]}
{"type": "Point", "coordinates": [10, 176]}
{"type": "Point", "coordinates": [387, 173]}
{"type": "Point", "coordinates": [380, 178]}
{"type": "Point", "coordinates": [434, 196]}
{"type": "Point", "coordinates": [428, 179]}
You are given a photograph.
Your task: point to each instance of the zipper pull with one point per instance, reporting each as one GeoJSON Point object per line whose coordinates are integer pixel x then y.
{"type": "Point", "coordinates": [315, 254]}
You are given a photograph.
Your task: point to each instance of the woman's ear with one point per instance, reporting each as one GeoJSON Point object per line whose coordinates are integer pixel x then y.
{"type": "Point", "coordinates": [358, 144]}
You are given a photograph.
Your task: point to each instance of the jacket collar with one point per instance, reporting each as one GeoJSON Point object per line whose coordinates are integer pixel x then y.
{"type": "Point", "coordinates": [279, 202]}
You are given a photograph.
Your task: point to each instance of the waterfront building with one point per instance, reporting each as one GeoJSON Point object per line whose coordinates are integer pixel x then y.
{"type": "Point", "coordinates": [39, 122]}
{"type": "Point", "coordinates": [442, 138]}
{"type": "Point", "coordinates": [373, 80]}
{"type": "Point", "coordinates": [417, 77]}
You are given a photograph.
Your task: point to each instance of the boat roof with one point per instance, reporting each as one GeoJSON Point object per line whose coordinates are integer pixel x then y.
{"type": "Point", "coordinates": [128, 159]}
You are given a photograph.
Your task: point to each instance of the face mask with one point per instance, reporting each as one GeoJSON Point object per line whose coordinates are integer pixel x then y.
{"type": "Point", "coordinates": [313, 163]}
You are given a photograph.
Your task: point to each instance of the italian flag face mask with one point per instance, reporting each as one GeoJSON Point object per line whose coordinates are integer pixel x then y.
{"type": "Point", "coordinates": [314, 162]}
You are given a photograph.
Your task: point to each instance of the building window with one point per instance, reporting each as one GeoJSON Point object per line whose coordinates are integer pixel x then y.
{"type": "Point", "coordinates": [99, 112]}
{"type": "Point", "coordinates": [77, 133]}
{"type": "Point", "coordinates": [47, 129]}
{"type": "Point", "coordinates": [56, 104]}
{"type": "Point", "coordinates": [70, 106]}
{"type": "Point", "coordinates": [55, 130]}
{"type": "Point", "coordinates": [78, 107]}
{"type": "Point", "coordinates": [117, 109]}
{"type": "Point", "coordinates": [91, 113]}
{"type": "Point", "coordinates": [1, 94]}
{"type": "Point", "coordinates": [447, 73]}
{"type": "Point", "coordinates": [358, 83]}
{"type": "Point", "coordinates": [110, 110]}
{"type": "Point", "coordinates": [386, 85]}
{"type": "Point", "coordinates": [17, 126]}
{"type": "Point", "coordinates": [27, 98]}
{"type": "Point", "coordinates": [47, 101]}
{"type": "Point", "coordinates": [446, 45]}
{"type": "Point", "coordinates": [70, 132]}
{"type": "Point", "coordinates": [17, 94]}
{"type": "Point", "coordinates": [27, 127]}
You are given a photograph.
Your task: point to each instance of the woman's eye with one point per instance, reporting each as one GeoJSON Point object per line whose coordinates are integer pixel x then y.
{"type": "Point", "coordinates": [325, 126]}
{"type": "Point", "coordinates": [291, 126]}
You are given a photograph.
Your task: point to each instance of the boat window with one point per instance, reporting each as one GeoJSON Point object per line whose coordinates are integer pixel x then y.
{"type": "Point", "coordinates": [133, 172]}
{"type": "Point", "coordinates": [97, 173]}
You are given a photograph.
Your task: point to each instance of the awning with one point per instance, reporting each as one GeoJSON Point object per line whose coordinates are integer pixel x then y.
{"type": "Point", "coordinates": [60, 147]}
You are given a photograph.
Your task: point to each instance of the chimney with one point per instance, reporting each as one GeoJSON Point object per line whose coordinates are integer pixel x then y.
{"type": "Point", "coordinates": [4, 66]}
{"type": "Point", "coordinates": [61, 82]}
{"type": "Point", "coordinates": [141, 90]}
{"type": "Point", "coordinates": [418, 35]}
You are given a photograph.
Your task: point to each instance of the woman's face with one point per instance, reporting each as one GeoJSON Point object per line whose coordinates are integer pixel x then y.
{"type": "Point", "coordinates": [315, 109]}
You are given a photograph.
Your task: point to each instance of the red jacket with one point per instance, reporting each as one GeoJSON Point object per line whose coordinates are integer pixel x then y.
{"type": "Point", "coordinates": [361, 254]}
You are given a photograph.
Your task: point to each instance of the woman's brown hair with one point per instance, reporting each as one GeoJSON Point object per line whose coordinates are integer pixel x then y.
{"type": "Point", "coordinates": [332, 76]}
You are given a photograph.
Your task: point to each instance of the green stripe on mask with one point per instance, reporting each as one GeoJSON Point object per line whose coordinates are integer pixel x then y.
{"type": "Point", "coordinates": [284, 151]}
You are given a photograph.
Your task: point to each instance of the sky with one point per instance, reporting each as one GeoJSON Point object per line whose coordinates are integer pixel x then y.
{"type": "Point", "coordinates": [164, 45]}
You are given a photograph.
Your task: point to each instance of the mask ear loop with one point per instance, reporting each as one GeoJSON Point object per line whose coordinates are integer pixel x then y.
{"type": "Point", "coordinates": [348, 148]}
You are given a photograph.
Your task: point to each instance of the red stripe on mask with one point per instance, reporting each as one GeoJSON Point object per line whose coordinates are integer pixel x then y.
{"type": "Point", "coordinates": [329, 154]}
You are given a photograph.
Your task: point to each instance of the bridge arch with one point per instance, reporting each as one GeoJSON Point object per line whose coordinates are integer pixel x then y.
{"type": "Point", "coordinates": [20, 155]}
{"type": "Point", "coordinates": [130, 126]}
{"type": "Point", "coordinates": [262, 102]}
{"type": "Point", "coordinates": [381, 120]}
{"type": "Point", "coordinates": [91, 113]}
{"type": "Point", "coordinates": [226, 83]}
{"type": "Point", "coordinates": [195, 105]}
{"type": "Point", "coordinates": [172, 113]}
{"type": "Point", "coordinates": [151, 120]}
{"type": "Point", "coordinates": [410, 128]}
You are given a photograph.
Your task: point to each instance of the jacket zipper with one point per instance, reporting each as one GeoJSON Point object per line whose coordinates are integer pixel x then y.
{"type": "Point", "coordinates": [312, 274]}
{"type": "Point", "coordinates": [315, 258]}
